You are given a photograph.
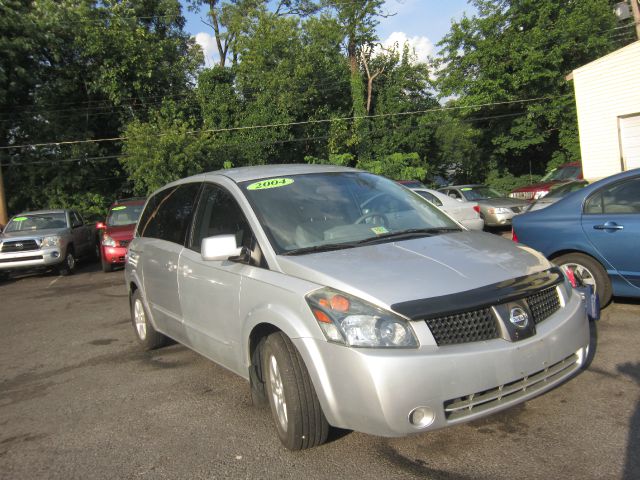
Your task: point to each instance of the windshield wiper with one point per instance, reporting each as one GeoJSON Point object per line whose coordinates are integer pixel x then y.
{"type": "Point", "coordinates": [410, 233]}
{"type": "Point", "coordinates": [321, 248]}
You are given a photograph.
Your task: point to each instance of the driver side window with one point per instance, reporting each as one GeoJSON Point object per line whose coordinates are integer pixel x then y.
{"type": "Point", "coordinates": [219, 214]}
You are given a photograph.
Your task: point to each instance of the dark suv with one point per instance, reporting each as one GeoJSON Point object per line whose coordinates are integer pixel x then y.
{"type": "Point", "coordinates": [118, 231]}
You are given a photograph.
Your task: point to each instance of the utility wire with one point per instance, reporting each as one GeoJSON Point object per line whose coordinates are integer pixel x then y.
{"type": "Point", "coordinates": [290, 124]}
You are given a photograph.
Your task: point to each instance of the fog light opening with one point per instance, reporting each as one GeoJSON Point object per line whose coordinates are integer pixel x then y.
{"type": "Point", "coordinates": [55, 255]}
{"type": "Point", "coordinates": [422, 417]}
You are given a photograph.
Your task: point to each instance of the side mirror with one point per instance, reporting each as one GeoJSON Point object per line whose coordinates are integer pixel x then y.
{"type": "Point", "coordinates": [100, 226]}
{"type": "Point", "coordinates": [220, 247]}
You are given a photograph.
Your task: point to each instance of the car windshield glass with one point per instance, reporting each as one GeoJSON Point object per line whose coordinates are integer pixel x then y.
{"type": "Point", "coordinates": [564, 173]}
{"type": "Point", "coordinates": [562, 190]}
{"type": "Point", "coordinates": [312, 212]}
{"type": "Point", "coordinates": [480, 193]}
{"type": "Point", "coordinates": [40, 221]}
{"type": "Point", "coordinates": [124, 215]}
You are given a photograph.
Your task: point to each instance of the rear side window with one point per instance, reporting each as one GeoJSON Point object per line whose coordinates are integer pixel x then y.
{"type": "Point", "coordinates": [168, 213]}
{"type": "Point", "coordinates": [622, 197]}
{"type": "Point", "coordinates": [432, 198]}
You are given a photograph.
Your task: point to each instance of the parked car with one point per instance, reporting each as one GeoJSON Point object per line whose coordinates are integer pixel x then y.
{"type": "Point", "coordinates": [466, 213]}
{"type": "Point", "coordinates": [564, 173]}
{"type": "Point", "coordinates": [557, 192]}
{"type": "Point", "coordinates": [46, 239]}
{"type": "Point", "coordinates": [117, 231]}
{"type": "Point", "coordinates": [593, 232]}
{"type": "Point", "coordinates": [495, 209]}
{"type": "Point", "coordinates": [378, 316]}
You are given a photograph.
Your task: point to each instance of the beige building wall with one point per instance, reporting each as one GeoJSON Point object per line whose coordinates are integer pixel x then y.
{"type": "Point", "coordinates": [607, 90]}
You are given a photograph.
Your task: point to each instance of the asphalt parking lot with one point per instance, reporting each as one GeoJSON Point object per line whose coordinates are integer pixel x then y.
{"type": "Point", "coordinates": [78, 399]}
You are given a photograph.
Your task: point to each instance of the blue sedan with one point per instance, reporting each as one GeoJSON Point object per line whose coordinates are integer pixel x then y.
{"type": "Point", "coordinates": [594, 233]}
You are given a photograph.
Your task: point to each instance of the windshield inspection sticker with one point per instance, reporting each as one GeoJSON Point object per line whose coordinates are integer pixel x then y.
{"type": "Point", "coordinates": [466, 189]}
{"type": "Point", "coordinates": [271, 183]}
{"type": "Point", "coordinates": [19, 219]}
{"type": "Point", "coordinates": [379, 230]}
{"type": "Point", "coordinates": [114, 209]}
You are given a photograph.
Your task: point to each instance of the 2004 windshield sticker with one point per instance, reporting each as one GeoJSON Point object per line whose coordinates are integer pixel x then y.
{"type": "Point", "coordinates": [270, 183]}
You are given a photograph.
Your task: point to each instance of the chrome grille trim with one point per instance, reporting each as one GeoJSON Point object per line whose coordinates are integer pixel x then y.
{"type": "Point", "coordinates": [11, 246]}
{"type": "Point", "coordinates": [464, 327]}
{"type": "Point", "coordinates": [544, 304]}
{"type": "Point", "coordinates": [473, 403]}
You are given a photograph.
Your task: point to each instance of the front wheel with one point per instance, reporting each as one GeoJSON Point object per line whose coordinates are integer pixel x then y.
{"type": "Point", "coordinates": [295, 408]}
{"type": "Point", "coordinates": [589, 271]}
{"type": "Point", "coordinates": [147, 336]}
{"type": "Point", "coordinates": [69, 264]}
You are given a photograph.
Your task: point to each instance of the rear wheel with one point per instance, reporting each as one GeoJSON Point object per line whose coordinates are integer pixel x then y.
{"type": "Point", "coordinates": [294, 404]}
{"type": "Point", "coordinates": [147, 336]}
{"type": "Point", "coordinates": [589, 271]}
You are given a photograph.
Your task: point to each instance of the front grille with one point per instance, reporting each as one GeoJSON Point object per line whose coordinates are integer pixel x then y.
{"type": "Point", "coordinates": [459, 408]}
{"type": "Point", "coordinates": [21, 259]}
{"type": "Point", "coordinates": [544, 304]}
{"type": "Point", "coordinates": [522, 195]}
{"type": "Point", "coordinates": [124, 243]}
{"type": "Point", "coordinates": [472, 326]}
{"type": "Point", "coordinates": [19, 246]}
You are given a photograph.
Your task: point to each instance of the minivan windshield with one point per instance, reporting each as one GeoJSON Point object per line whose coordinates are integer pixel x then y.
{"type": "Point", "coordinates": [326, 211]}
{"type": "Point", "coordinates": [124, 215]}
{"type": "Point", "coordinates": [40, 221]}
{"type": "Point", "coordinates": [562, 173]}
{"type": "Point", "coordinates": [480, 193]}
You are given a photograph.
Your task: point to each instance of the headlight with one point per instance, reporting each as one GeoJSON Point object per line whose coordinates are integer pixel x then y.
{"type": "Point", "coordinates": [51, 241]}
{"type": "Point", "coordinates": [540, 194]}
{"type": "Point", "coordinates": [350, 321]}
{"type": "Point", "coordinates": [499, 210]}
{"type": "Point", "coordinates": [107, 241]}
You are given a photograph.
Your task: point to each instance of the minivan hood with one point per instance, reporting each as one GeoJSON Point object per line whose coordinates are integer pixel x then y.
{"type": "Point", "coordinates": [395, 272]}
{"type": "Point", "coordinates": [122, 232]}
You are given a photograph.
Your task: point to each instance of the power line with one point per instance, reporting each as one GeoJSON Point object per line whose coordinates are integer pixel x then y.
{"type": "Point", "coordinates": [290, 124]}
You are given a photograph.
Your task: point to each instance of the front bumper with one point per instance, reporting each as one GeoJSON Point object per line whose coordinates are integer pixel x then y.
{"type": "Point", "coordinates": [375, 390]}
{"type": "Point", "coordinates": [498, 219]}
{"type": "Point", "coordinates": [46, 257]}
{"type": "Point", "coordinates": [114, 255]}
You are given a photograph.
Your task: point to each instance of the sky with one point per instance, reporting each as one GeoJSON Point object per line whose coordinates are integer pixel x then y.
{"type": "Point", "coordinates": [420, 22]}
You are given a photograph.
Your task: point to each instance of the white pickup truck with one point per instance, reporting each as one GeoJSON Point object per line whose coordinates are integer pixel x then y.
{"type": "Point", "coordinates": [46, 239]}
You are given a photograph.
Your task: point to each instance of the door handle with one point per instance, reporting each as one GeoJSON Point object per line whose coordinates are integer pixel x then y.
{"type": "Point", "coordinates": [609, 226]}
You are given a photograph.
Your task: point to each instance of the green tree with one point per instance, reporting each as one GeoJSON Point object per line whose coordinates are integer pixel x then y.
{"type": "Point", "coordinates": [517, 50]}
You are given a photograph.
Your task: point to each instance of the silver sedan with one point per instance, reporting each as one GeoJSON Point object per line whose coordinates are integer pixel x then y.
{"type": "Point", "coordinates": [496, 209]}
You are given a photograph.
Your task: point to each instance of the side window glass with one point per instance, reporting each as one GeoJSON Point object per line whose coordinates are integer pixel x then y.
{"type": "Point", "coordinates": [432, 198]}
{"type": "Point", "coordinates": [76, 221]}
{"type": "Point", "coordinates": [623, 197]}
{"type": "Point", "coordinates": [168, 214]}
{"type": "Point", "coordinates": [219, 214]}
{"type": "Point", "coordinates": [593, 204]}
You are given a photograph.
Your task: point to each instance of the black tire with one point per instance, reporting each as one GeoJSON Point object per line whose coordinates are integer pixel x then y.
{"type": "Point", "coordinates": [4, 276]}
{"type": "Point", "coordinates": [594, 269]}
{"type": "Point", "coordinates": [68, 265]}
{"type": "Point", "coordinates": [147, 336]}
{"type": "Point", "coordinates": [304, 425]}
{"type": "Point", "coordinates": [106, 266]}
{"type": "Point", "coordinates": [96, 253]}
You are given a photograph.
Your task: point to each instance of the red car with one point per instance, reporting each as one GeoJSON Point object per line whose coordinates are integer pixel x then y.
{"type": "Point", "coordinates": [117, 231]}
{"type": "Point", "coordinates": [566, 172]}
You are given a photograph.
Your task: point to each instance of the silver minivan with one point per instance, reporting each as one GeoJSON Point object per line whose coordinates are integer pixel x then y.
{"type": "Point", "coordinates": [346, 300]}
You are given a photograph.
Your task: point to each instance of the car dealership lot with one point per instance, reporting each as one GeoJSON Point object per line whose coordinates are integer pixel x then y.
{"type": "Point", "coordinates": [78, 399]}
